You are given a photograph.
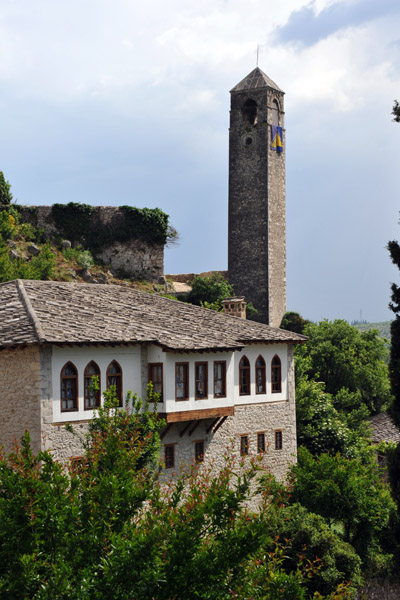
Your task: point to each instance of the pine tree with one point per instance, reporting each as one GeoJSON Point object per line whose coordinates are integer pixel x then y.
{"type": "Point", "coordinates": [394, 364]}
{"type": "Point", "coordinates": [5, 191]}
{"type": "Point", "coordinates": [396, 111]}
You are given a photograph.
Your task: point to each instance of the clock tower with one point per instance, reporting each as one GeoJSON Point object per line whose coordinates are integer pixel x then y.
{"type": "Point", "coordinates": [257, 196]}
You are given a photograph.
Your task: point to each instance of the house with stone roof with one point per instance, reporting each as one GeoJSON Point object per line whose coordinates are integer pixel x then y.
{"type": "Point", "coordinates": [224, 382]}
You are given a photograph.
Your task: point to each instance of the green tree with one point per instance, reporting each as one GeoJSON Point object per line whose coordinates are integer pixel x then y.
{"type": "Point", "coordinates": [394, 363]}
{"type": "Point", "coordinates": [210, 291]}
{"type": "Point", "coordinates": [352, 496]}
{"type": "Point", "coordinates": [5, 191]}
{"type": "Point", "coordinates": [322, 428]}
{"type": "Point", "coordinates": [292, 321]}
{"type": "Point", "coordinates": [308, 533]}
{"type": "Point", "coordinates": [107, 526]}
{"type": "Point", "coordinates": [343, 357]}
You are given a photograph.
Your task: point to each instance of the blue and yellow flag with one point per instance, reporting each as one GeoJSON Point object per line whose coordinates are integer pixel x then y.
{"type": "Point", "coordinates": [276, 138]}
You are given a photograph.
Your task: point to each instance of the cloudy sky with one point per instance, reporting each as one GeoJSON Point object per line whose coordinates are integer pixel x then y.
{"type": "Point", "coordinates": [127, 102]}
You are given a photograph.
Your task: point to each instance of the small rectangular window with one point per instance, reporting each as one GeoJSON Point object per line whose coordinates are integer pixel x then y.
{"type": "Point", "coordinates": [219, 379]}
{"type": "Point", "coordinates": [156, 377]}
{"type": "Point", "coordinates": [260, 442]}
{"type": "Point", "coordinates": [201, 380]}
{"type": "Point", "coordinates": [169, 456]}
{"type": "Point", "coordinates": [199, 452]}
{"type": "Point", "coordinates": [278, 440]}
{"type": "Point", "coordinates": [181, 381]}
{"type": "Point", "coordinates": [244, 445]}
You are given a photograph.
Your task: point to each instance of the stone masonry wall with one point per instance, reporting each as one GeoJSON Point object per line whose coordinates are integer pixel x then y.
{"type": "Point", "coordinates": [20, 396]}
{"type": "Point", "coordinates": [257, 230]}
{"type": "Point", "coordinates": [380, 590]}
{"type": "Point", "coordinates": [134, 258]}
{"type": "Point", "coordinates": [62, 443]}
{"type": "Point", "coordinates": [277, 230]}
{"type": "Point", "coordinates": [248, 420]}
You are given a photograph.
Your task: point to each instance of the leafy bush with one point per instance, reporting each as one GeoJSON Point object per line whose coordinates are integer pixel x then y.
{"type": "Point", "coordinates": [343, 357]}
{"type": "Point", "coordinates": [322, 428]}
{"type": "Point", "coordinates": [349, 493]}
{"type": "Point", "coordinates": [210, 291]}
{"type": "Point", "coordinates": [39, 267]}
{"type": "Point", "coordinates": [85, 259]}
{"type": "Point", "coordinates": [292, 321]}
{"type": "Point", "coordinates": [73, 219]}
{"type": "Point", "coordinates": [309, 534]}
{"type": "Point", "coordinates": [8, 224]}
{"type": "Point", "coordinates": [75, 222]}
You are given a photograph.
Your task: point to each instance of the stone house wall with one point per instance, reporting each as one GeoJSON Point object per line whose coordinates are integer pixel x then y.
{"type": "Point", "coordinates": [247, 420]}
{"type": "Point", "coordinates": [55, 437]}
{"type": "Point", "coordinates": [20, 396]}
{"type": "Point", "coordinates": [135, 258]}
{"type": "Point", "coordinates": [32, 375]}
{"type": "Point", "coordinates": [266, 417]}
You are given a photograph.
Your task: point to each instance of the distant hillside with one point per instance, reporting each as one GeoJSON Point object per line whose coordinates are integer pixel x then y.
{"type": "Point", "coordinates": [383, 327]}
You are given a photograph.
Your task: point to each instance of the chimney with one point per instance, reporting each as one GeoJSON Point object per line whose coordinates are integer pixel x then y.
{"type": "Point", "coordinates": [236, 306]}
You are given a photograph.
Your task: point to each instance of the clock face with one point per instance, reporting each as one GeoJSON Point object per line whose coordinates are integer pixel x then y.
{"type": "Point", "coordinates": [247, 140]}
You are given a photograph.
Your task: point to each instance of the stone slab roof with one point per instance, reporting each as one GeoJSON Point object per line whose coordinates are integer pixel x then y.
{"type": "Point", "coordinates": [79, 313]}
{"type": "Point", "coordinates": [383, 429]}
{"type": "Point", "coordinates": [255, 80]}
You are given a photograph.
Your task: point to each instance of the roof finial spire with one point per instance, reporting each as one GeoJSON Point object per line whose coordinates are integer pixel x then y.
{"type": "Point", "coordinates": [258, 48]}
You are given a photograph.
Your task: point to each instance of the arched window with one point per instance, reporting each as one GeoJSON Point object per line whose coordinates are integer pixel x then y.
{"type": "Point", "coordinates": [69, 387]}
{"type": "Point", "coordinates": [260, 376]}
{"type": "Point", "coordinates": [92, 395]}
{"type": "Point", "coordinates": [249, 112]}
{"type": "Point", "coordinates": [114, 378]}
{"type": "Point", "coordinates": [244, 376]}
{"type": "Point", "coordinates": [275, 116]}
{"type": "Point", "coordinates": [276, 375]}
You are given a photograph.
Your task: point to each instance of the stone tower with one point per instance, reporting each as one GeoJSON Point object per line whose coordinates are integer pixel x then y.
{"type": "Point", "coordinates": [257, 197]}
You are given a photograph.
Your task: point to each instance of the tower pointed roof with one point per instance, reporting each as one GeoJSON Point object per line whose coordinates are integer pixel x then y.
{"type": "Point", "coordinates": [255, 80]}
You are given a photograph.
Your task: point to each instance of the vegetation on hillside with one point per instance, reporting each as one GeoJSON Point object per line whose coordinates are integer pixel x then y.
{"type": "Point", "coordinates": [383, 328]}
{"type": "Point", "coordinates": [15, 259]}
{"type": "Point", "coordinates": [25, 253]}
